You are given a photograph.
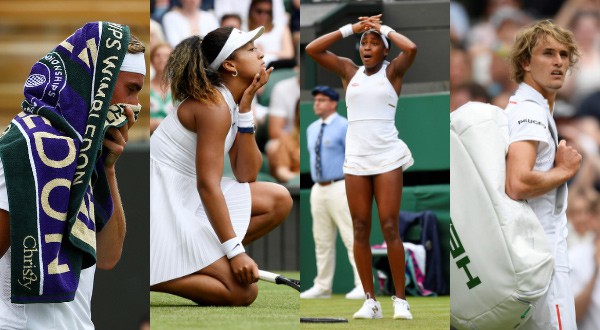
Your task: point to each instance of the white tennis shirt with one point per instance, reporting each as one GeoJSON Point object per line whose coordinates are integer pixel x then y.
{"type": "Point", "coordinates": [530, 119]}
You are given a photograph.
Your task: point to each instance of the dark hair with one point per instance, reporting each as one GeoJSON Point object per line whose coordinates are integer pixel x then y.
{"type": "Point", "coordinates": [371, 31]}
{"type": "Point", "coordinates": [188, 69]}
{"type": "Point", "coordinates": [228, 16]}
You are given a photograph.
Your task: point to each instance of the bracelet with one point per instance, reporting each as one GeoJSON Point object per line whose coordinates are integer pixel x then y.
{"type": "Point", "coordinates": [232, 247]}
{"type": "Point", "coordinates": [346, 30]}
{"type": "Point", "coordinates": [245, 119]}
{"type": "Point", "coordinates": [386, 30]}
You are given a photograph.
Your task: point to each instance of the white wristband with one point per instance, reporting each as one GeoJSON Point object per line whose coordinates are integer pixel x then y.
{"type": "Point", "coordinates": [346, 30]}
{"type": "Point", "coordinates": [245, 119]}
{"type": "Point", "coordinates": [232, 247]}
{"type": "Point", "coordinates": [386, 30]}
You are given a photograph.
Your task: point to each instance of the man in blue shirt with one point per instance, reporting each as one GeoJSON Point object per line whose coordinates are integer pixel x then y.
{"type": "Point", "coordinates": [326, 139]}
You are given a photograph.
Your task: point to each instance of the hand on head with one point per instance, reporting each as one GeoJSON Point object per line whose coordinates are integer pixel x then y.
{"type": "Point", "coordinates": [371, 22]}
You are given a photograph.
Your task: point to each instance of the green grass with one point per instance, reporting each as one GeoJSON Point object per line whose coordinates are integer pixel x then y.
{"type": "Point", "coordinates": [428, 313]}
{"type": "Point", "coordinates": [276, 307]}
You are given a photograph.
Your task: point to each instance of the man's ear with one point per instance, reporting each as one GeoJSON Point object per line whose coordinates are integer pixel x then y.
{"type": "Point", "coordinates": [526, 65]}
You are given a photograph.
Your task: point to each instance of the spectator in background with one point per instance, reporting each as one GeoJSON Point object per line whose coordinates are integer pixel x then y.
{"type": "Point", "coordinates": [326, 142]}
{"type": "Point", "coordinates": [241, 7]}
{"type": "Point", "coordinates": [295, 23]}
{"type": "Point", "coordinates": [460, 68]}
{"type": "Point", "coordinates": [282, 107]}
{"type": "Point", "coordinates": [156, 37]}
{"type": "Point", "coordinates": [161, 102]}
{"type": "Point", "coordinates": [586, 255]}
{"type": "Point", "coordinates": [466, 92]}
{"type": "Point", "coordinates": [158, 9]}
{"type": "Point", "coordinates": [187, 20]}
{"type": "Point", "coordinates": [284, 157]}
{"type": "Point", "coordinates": [586, 78]}
{"type": "Point", "coordinates": [276, 43]}
{"type": "Point", "coordinates": [232, 20]}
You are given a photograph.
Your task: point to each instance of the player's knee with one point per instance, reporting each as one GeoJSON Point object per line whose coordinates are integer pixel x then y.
{"type": "Point", "coordinates": [283, 203]}
{"type": "Point", "coordinates": [362, 230]}
{"type": "Point", "coordinates": [244, 296]}
{"type": "Point", "coordinates": [390, 230]}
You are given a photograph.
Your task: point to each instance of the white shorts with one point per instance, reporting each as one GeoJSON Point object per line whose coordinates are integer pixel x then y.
{"type": "Point", "coordinates": [556, 309]}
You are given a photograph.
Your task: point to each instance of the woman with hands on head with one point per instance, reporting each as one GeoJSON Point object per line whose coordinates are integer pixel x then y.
{"type": "Point", "coordinates": [200, 221]}
{"type": "Point", "coordinates": [375, 156]}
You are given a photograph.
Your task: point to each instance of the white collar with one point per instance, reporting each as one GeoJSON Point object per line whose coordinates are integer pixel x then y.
{"type": "Point", "coordinates": [526, 92]}
{"type": "Point", "coordinates": [329, 118]}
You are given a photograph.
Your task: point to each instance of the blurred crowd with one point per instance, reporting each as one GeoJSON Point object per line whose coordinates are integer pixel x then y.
{"type": "Point", "coordinates": [482, 33]}
{"type": "Point", "coordinates": [275, 107]}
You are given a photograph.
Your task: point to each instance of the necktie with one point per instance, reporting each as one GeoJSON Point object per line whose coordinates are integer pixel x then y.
{"type": "Point", "coordinates": [318, 152]}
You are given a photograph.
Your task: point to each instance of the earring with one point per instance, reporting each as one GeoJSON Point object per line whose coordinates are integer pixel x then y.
{"type": "Point", "coordinates": [236, 73]}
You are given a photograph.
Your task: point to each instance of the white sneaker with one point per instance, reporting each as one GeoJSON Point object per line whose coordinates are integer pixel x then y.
{"type": "Point", "coordinates": [371, 309]}
{"type": "Point", "coordinates": [315, 293]}
{"type": "Point", "coordinates": [401, 309]}
{"type": "Point", "coordinates": [356, 293]}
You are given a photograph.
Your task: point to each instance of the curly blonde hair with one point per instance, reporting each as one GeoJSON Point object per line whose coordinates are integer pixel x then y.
{"type": "Point", "coordinates": [529, 37]}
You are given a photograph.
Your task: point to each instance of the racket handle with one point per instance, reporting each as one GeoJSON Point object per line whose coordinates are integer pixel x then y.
{"type": "Point", "coordinates": [267, 276]}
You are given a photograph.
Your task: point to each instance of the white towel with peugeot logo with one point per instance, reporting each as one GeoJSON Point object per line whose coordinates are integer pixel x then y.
{"type": "Point", "coordinates": [501, 263]}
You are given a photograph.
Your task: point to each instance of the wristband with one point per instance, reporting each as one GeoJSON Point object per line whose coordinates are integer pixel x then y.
{"type": "Point", "coordinates": [386, 30]}
{"type": "Point", "coordinates": [232, 247]}
{"type": "Point", "coordinates": [245, 119]}
{"type": "Point", "coordinates": [346, 30]}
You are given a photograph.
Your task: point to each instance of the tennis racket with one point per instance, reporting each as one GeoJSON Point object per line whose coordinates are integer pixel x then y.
{"type": "Point", "coordinates": [279, 279]}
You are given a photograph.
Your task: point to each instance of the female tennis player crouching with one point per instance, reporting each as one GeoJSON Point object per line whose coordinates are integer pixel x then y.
{"type": "Point", "coordinates": [375, 156]}
{"type": "Point", "coordinates": [199, 220]}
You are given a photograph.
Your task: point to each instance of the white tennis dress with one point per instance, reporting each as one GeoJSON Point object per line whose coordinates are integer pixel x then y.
{"type": "Point", "coordinates": [182, 240]}
{"type": "Point", "coordinates": [372, 142]}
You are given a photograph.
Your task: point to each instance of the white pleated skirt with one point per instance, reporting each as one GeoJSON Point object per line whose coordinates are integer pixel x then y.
{"type": "Point", "coordinates": [395, 156]}
{"type": "Point", "coordinates": [182, 240]}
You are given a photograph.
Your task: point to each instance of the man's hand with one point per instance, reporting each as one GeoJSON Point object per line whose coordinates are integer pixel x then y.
{"type": "Point", "coordinates": [244, 269]}
{"type": "Point", "coordinates": [116, 139]}
{"type": "Point", "coordinates": [567, 158]}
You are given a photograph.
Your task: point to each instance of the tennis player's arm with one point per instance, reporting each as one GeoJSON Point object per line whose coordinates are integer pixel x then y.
{"type": "Point", "coordinates": [400, 64]}
{"type": "Point", "coordinates": [523, 182]}
{"type": "Point", "coordinates": [244, 155]}
{"type": "Point", "coordinates": [341, 66]}
{"type": "Point", "coordinates": [4, 232]}
{"type": "Point", "coordinates": [212, 124]}
{"type": "Point", "coordinates": [109, 241]}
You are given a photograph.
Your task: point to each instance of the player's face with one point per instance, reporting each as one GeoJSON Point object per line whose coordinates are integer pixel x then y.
{"type": "Point", "coordinates": [372, 50]}
{"type": "Point", "coordinates": [548, 66]}
{"type": "Point", "coordinates": [323, 105]}
{"type": "Point", "coordinates": [127, 88]}
{"type": "Point", "coordinates": [248, 60]}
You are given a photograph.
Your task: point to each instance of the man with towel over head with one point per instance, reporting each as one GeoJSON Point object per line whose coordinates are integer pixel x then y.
{"type": "Point", "coordinates": [60, 210]}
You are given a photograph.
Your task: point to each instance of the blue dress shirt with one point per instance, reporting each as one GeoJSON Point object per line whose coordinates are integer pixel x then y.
{"type": "Point", "coordinates": [333, 147]}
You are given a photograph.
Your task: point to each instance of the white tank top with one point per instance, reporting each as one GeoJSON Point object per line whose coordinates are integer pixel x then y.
{"type": "Point", "coordinates": [371, 97]}
{"type": "Point", "coordinates": [371, 102]}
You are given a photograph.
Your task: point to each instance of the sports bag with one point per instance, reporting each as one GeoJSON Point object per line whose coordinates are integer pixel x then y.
{"type": "Point", "coordinates": [501, 262]}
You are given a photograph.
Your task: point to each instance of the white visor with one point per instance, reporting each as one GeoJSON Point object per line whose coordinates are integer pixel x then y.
{"type": "Point", "coordinates": [236, 40]}
{"type": "Point", "coordinates": [134, 63]}
{"type": "Point", "coordinates": [385, 42]}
